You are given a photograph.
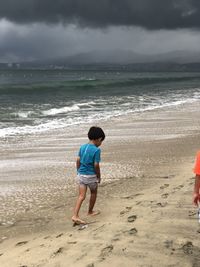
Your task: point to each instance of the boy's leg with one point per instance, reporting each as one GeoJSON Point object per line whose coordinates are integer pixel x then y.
{"type": "Point", "coordinates": [81, 197]}
{"type": "Point", "coordinates": [93, 197]}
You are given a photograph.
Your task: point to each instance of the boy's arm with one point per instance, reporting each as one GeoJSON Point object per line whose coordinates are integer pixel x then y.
{"type": "Point", "coordinates": [78, 163]}
{"type": "Point", "coordinates": [97, 171]}
{"type": "Point", "coordinates": [196, 196]}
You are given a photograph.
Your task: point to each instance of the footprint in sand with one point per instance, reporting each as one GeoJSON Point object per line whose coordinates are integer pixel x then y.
{"type": "Point", "coordinates": [164, 186]}
{"type": "Point", "coordinates": [188, 248]}
{"type": "Point", "coordinates": [21, 243]}
{"type": "Point", "coordinates": [59, 235]}
{"type": "Point", "coordinates": [167, 177]}
{"type": "Point", "coordinates": [132, 231]}
{"type": "Point", "coordinates": [58, 251]}
{"type": "Point", "coordinates": [132, 218]}
{"type": "Point", "coordinates": [191, 251]}
{"type": "Point", "coordinates": [46, 237]}
{"type": "Point", "coordinates": [178, 187]}
{"type": "Point", "coordinates": [72, 242]}
{"type": "Point", "coordinates": [125, 211]}
{"type": "Point", "coordinates": [192, 213]}
{"type": "Point", "coordinates": [161, 204]}
{"type": "Point", "coordinates": [165, 195]}
{"type": "Point", "coordinates": [81, 257]}
{"type": "Point", "coordinates": [132, 196]}
{"type": "Point", "coordinates": [90, 265]}
{"type": "Point", "coordinates": [106, 251]}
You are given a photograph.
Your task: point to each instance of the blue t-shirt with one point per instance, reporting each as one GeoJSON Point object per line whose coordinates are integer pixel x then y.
{"type": "Point", "coordinates": [89, 154]}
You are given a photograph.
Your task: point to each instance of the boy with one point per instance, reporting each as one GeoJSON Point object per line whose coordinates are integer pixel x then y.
{"type": "Point", "coordinates": [196, 196]}
{"type": "Point", "coordinates": [88, 170]}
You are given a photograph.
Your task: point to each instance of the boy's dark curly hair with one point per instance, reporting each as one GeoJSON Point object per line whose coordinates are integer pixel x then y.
{"type": "Point", "coordinates": [96, 133]}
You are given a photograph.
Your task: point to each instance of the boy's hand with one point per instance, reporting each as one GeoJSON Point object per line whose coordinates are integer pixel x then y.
{"type": "Point", "coordinates": [196, 199]}
{"type": "Point", "coordinates": [98, 180]}
{"type": "Point", "coordinates": [78, 163]}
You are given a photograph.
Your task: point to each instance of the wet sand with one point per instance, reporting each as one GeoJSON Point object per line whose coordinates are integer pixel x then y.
{"type": "Point", "coordinates": [147, 217]}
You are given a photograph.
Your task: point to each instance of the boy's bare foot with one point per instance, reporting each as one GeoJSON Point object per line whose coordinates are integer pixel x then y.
{"type": "Point", "coordinates": [77, 220]}
{"type": "Point", "coordinates": [94, 213]}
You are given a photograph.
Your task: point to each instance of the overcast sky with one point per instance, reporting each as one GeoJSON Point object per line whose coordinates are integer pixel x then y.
{"type": "Point", "coordinates": [37, 29]}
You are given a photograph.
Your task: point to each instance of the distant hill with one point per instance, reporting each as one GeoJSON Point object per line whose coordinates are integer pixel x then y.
{"type": "Point", "coordinates": [118, 59]}
{"type": "Point", "coordinates": [129, 57]}
{"type": "Point", "coordinates": [109, 56]}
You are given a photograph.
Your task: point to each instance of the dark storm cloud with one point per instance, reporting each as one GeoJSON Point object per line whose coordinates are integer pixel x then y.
{"type": "Point", "coordinates": [150, 14]}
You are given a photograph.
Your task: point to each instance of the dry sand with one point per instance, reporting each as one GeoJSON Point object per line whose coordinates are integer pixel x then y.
{"type": "Point", "coordinates": [147, 217]}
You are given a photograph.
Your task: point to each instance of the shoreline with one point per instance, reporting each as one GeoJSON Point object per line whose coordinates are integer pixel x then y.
{"type": "Point", "coordinates": [157, 189]}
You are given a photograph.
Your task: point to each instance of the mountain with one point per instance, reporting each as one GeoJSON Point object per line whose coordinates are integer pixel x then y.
{"type": "Point", "coordinates": [181, 57]}
{"type": "Point", "coordinates": [128, 57]}
{"type": "Point", "coordinates": [118, 59]}
{"type": "Point", "coordinates": [107, 56]}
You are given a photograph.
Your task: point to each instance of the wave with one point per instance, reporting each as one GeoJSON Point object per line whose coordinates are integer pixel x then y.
{"type": "Point", "coordinates": [75, 107]}
{"type": "Point", "coordinates": [55, 111]}
{"type": "Point", "coordinates": [58, 123]}
{"type": "Point", "coordinates": [43, 127]}
{"type": "Point", "coordinates": [87, 79]}
{"type": "Point", "coordinates": [23, 114]}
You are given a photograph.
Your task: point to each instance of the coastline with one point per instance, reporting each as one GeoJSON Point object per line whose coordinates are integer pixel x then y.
{"type": "Point", "coordinates": [147, 162]}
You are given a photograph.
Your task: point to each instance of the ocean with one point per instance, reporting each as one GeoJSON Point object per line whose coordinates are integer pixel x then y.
{"type": "Point", "coordinates": [34, 101]}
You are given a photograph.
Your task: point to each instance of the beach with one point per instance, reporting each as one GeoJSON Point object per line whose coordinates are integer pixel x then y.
{"type": "Point", "coordinates": [147, 217]}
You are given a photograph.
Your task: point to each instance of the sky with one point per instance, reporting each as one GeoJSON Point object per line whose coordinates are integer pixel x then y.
{"type": "Point", "coordinates": [41, 29]}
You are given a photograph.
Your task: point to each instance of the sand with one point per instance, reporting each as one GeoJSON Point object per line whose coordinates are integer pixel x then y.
{"type": "Point", "coordinates": [147, 217]}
